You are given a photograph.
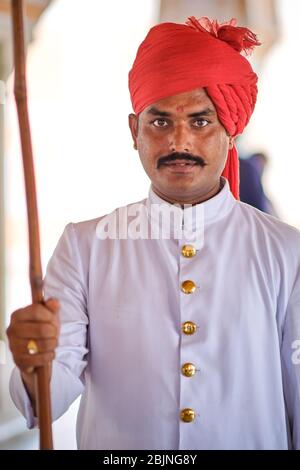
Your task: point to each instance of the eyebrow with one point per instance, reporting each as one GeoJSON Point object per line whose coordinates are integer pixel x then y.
{"type": "Point", "coordinates": [157, 112]}
{"type": "Point", "coordinates": [205, 112]}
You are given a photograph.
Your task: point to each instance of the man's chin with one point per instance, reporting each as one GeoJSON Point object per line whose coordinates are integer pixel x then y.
{"type": "Point", "coordinates": [186, 190]}
{"type": "Point", "coordinates": [183, 183]}
{"type": "Point", "coordinates": [179, 191]}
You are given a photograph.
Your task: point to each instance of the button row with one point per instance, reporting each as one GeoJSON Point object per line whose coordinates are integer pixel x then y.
{"type": "Point", "coordinates": [187, 415]}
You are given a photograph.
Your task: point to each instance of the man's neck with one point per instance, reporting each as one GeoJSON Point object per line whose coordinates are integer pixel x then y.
{"type": "Point", "coordinates": [192, 201]}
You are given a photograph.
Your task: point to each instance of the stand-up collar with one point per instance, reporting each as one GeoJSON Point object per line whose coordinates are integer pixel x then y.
{"type": "Point", "coordinates": [191, 217]}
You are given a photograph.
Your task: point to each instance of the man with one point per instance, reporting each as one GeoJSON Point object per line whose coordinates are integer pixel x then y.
{"type": "Point", "coordinates": [180, 334]}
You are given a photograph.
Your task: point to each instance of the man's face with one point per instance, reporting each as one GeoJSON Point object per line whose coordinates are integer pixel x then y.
{"type": "Point", "coordinates": [182, 145]}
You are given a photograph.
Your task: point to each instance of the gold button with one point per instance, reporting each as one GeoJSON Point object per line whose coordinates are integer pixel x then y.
{"type": "Point", "coordinates": [187, 415]}
{"type": "Point", "coordinates": [189, 328]}
{"type": "Point", "coordinates": [188, 287]}
{"type": "Point", "coordinates": [188, 251]}
{"type": "Point", "coordinates": [188, 369]}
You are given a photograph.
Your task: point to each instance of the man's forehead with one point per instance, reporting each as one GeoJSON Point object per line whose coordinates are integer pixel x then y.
{"type": "Point", "coordinates": [186, 103]}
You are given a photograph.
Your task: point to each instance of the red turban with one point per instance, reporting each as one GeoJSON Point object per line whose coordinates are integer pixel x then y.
{"type": "Point", "coordinates": [176, 58]}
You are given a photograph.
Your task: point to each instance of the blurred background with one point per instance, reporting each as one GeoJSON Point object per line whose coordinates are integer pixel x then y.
{"type": "Point", "coordinates": [79, 55]}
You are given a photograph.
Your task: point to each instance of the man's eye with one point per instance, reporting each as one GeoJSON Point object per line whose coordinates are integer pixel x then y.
{"type": "Point", "coordinates": [160, 123]}
{"type": "Point", "coordinates": [200, 123]}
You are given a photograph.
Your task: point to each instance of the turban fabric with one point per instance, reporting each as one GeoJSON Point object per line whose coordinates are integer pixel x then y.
{"type": "Point", "coordinates": [176, 58]}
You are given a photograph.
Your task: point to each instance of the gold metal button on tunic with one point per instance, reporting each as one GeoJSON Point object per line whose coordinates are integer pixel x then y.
{"type": "Point", "coordinates": [188, 369]}
{"type": "Point", "coordinates": [187, 415]}
{"type": "Point", "coordinates": [188, 287]}
{"type": "Point", "coordinates": [188, 251]}
{"type": "Point", "coordinates": [189, 328]}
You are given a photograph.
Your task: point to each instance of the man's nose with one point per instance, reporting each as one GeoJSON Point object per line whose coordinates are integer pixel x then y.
{"type": "Point", "coordinates": [180, 140]}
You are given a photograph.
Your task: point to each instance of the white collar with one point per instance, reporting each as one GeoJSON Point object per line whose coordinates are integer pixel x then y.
{"type": "Point", "coordinates": [191, 219]}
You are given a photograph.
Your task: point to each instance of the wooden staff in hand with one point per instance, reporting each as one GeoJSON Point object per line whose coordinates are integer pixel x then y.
{"type": "Point", "coordinates": [42, 373]}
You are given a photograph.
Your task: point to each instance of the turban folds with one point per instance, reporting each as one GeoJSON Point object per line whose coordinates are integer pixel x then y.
{"type": "Point", "coordinates": [176, 58]}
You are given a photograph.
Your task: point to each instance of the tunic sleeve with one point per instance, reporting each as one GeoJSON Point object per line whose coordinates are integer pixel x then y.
{"type": "Point", "coordinates": [290, 354]}
{"type": "Point", "coordinates": [65, 281]}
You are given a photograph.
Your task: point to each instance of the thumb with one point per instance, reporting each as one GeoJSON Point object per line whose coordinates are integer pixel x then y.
{"type": "Point", "coordinates": [53, 305]}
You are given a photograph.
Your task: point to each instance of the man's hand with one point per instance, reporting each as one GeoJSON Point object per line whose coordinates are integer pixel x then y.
{"type": "Point", "coordinates": [33, 336]}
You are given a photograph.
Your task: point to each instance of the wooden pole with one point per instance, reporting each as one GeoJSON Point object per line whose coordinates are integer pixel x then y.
{"type": "Point", "coordinates": [42, 374]}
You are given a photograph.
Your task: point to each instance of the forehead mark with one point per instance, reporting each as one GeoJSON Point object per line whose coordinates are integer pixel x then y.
{"type": "Point", "coordinates": [180, 109]}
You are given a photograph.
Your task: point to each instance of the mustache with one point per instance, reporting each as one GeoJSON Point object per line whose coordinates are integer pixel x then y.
{"type": "Point", "coordinates": [172, 157]}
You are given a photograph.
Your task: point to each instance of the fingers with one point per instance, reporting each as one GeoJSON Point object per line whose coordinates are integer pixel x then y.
{"type": "Point", "coordinates": [43, 346]}
{"type": "Point", "coordinates": [35, 330]}
{"type": "Point", "coordinates": [28, 363]}
{"type": "Point", "coordinates": [38, 323]}
{"type": "Point", "coordinates": [45, 352]}
{"type": "Point", "coordinates": [37, 312]}
{"type": "Point", "coordinates": [53, 305]}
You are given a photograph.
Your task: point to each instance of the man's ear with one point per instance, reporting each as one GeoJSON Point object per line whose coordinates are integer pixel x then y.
{"type": "Point", "coordinates": [134, 127]}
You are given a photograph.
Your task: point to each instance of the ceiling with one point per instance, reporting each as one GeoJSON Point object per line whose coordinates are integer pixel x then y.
{"type": "Point", "coordinates": [33, 10]}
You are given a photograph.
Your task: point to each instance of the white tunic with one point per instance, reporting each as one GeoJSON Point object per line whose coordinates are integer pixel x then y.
{"type": "Point", "coordinates": [122, 345]}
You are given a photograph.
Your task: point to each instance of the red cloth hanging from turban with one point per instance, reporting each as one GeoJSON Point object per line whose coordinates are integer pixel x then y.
{"type": "Point", "coordinates": [176, 58]}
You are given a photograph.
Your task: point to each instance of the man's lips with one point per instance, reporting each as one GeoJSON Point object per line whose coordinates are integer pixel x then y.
{"type": "Point", "coordinates": [180, 166]}
{"type": "Point", "coordinates": [180, 163]}
{"type": "Point", "coordinates": [181, 160]}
